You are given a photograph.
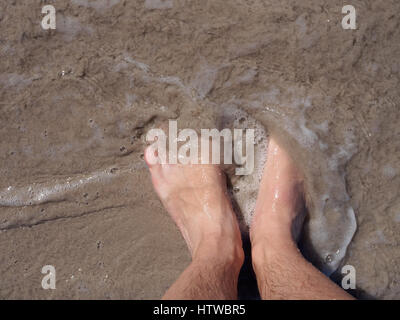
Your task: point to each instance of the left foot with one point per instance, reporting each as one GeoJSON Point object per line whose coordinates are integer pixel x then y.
{"type": "Point", "coordinates": [196, 198]}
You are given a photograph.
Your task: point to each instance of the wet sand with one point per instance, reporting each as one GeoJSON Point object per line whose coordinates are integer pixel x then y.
{"type": "Point", "coordinates": [76, 103]}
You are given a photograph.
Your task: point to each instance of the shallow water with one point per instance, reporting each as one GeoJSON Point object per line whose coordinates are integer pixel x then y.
{"type": "Point", "coordinates": [76, 104]}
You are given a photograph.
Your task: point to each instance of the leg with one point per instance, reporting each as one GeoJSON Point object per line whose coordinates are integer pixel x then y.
{"type": "Point", "coordinates": [281, 270]}
{"type": "Point", "coordinates": [196, 198]}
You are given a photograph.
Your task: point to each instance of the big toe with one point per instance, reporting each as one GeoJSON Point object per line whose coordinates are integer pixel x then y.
{"type": "Point", "coordinates": [151, 157]}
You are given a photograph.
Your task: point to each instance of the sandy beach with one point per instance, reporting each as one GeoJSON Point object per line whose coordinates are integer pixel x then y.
{"type": "Point", "coordinates": [76, 103]}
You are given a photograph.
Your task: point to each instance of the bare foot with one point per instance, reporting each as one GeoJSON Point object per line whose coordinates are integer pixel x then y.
{"type": "Point", "coordinates": [196, 198]}
{"type": "Point", "coordinates": [280, 199]}
{"type": "Point", "coordinates": [281, 270]}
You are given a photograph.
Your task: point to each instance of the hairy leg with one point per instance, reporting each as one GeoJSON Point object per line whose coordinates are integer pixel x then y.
{"type": "Point", "coordinates": [281, 270]}
{"type": "Point", "coordinates": [196, 198]}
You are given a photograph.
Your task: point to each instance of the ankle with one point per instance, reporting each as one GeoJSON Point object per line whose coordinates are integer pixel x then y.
{"type": "Point", "coordinates": [268, 249]}
{"type": "Point", "coordinates": [223, 252]}
{"type": "Point", "coordinates": [271, 233]}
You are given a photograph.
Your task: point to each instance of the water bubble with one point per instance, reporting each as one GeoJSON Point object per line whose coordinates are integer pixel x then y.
{"type": "Point", "coordinates": [328, 258]}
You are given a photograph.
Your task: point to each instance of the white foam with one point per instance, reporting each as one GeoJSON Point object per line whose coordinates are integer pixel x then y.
{"type": "Point", "coordinates": [56, 190]}
{"type": "Point", "coordinates": [246, 187]}
{"type": "Point", "coordinates": [333, 224]}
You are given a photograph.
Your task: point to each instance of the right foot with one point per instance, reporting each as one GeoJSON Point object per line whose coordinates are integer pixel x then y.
{"type": "Point", "coordinates": [281, 270]}
{"type": "Point", "coordinates": [197, 200]}
{"type": "Point", "coordinates": [280, 200]}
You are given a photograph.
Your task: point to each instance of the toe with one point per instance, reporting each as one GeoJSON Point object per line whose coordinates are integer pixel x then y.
{"type": "Point", "coordinates": [151, 158]}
